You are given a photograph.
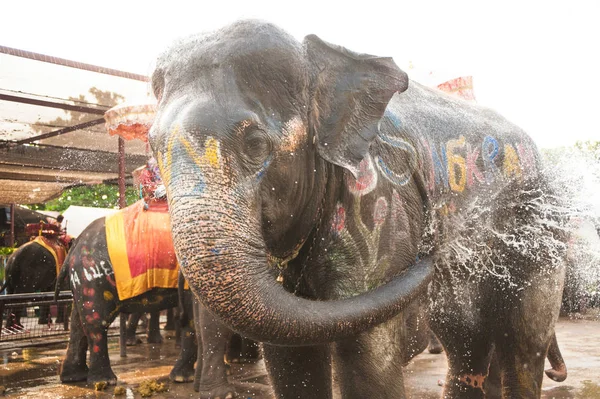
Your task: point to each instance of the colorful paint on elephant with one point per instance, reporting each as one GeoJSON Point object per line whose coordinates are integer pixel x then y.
{"type": "Point", "coordinates": [458, 165]}
{"type": "Point", "coordinates": [141, 250]}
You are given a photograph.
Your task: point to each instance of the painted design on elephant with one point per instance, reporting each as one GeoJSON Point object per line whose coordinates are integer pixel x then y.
{"type": "Point", "coordinates": [366, 180]}
{"type": "Point", "coordinates": [369, 260]}
{"type": "Point", "coordinates": [210, 162]}
{"type": "Point", "coordinates": [395, 177]}
{"type": "Point", "coordinates": [473, 380]}
{"type": "Point", "coordinates": [92, 271]}
{"type": "Point", "coordinates": [294, 135]}
{"type": "Point", "coordinates": [454, 164]}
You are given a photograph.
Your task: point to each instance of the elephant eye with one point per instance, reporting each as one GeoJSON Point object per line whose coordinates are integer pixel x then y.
{"type": "Point", "coordinates": [257, 146]}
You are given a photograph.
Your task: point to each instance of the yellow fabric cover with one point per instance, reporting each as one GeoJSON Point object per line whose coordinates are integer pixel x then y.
{"type": "Point", "coordinates": [141, 249]}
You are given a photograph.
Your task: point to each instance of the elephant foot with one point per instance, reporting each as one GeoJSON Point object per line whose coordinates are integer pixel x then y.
{"type": "Point", "coordinates": [170, 326]}
{"type": "Point", "coordinates": [105, 375]}
{"type": "Point", "coordinates": [435, 348]}
{"type": "Point", "coordinates": [221, 391]}
{"type": "Point", "coordinates": [73, 373]}
{"type": "Point", "coordinates": [182, 374]}
{"type": "Point", "coordinates": [155, 339]}
{"type": "Point", "coordinates": [559, 374]}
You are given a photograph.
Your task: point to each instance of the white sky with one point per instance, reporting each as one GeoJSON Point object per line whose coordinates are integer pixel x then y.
{"type": "Point", "coordinates": [536, 62]}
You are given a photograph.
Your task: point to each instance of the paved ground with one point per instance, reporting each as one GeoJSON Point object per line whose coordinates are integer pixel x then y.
{"type": "Point", "coordinates": [32, 373]}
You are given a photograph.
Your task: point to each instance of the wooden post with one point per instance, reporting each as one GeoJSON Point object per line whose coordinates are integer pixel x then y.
{"type": "Point", "coordinates": [11, 239]}
{"type": "Point", "coordinates": [122, 204]}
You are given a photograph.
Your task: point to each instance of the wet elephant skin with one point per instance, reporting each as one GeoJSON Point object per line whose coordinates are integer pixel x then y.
{"type": "Point", "coordinates": [315, 192]}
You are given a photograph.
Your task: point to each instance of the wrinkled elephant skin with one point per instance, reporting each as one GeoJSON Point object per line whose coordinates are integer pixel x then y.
{"type": "Point", "coordinates": [313, 192]}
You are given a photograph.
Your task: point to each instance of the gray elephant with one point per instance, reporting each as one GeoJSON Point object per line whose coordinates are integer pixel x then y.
{"type": "Point", "coordinates": [315, 192]}
{"type": "Point", "coordinates": [101, 290]}
{"type": "Point", "coordinates": [33, 268]}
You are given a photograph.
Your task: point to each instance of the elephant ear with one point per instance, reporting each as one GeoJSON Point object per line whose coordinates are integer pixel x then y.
{"type": "Point", "coordinates": [350, 93]}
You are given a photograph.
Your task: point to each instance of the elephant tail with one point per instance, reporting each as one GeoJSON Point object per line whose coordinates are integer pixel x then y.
{"type": "Point", "coordinates": [558, 372]}
{"type": "Point", "coordinates": [3, 286]}
{"type": "Point", "coordinates": [62, 275]}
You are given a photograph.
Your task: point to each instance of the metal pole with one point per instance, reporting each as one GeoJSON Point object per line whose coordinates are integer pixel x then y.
{"type": "Point", "coordinates": [69, 63]}
{"type": "Point", "coordinates": [122, 204]}
{"type": "Point", "coordinates": [11, 240]}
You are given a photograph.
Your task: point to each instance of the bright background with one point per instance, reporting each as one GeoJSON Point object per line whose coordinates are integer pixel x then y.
{"type": "Point", "coordinates": [536, 62]}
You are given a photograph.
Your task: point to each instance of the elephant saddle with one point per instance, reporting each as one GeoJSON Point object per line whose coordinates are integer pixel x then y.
{"type": "Point", "coordinates": [53, 246]}
{"type": "Point", "coordinates": [141, 249]}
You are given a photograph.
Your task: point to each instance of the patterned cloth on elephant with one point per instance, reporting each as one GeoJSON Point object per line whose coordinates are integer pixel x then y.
{"type": "Point", "coordinates": [141, 249]}
{"type": "Point", "coordinates": [53, 246]}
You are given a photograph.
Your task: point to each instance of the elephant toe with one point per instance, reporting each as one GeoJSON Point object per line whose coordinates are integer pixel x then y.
{"type": "Point", "coordinates": [181, 375]}
{"type": "Point", "coordinates": [435, 349]}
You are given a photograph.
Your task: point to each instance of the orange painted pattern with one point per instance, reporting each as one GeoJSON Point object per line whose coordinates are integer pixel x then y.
{"type": "Point", "coordinates": [141, 249]}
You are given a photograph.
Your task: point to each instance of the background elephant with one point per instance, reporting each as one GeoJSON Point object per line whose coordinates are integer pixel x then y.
{"type": "Point", "coordinates": [97, 303]}
{"type": "Point", "coordinates": [32, 268]}
{"type": "Point", "coordinates": [313, 192]}
{"type": "Point", "coordinates": [207, 340]}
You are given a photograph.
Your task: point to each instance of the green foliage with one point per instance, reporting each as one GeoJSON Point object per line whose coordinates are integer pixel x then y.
{"type": "Point", "coordinates": [5, 251]}
{"type": "Point", "coordinates": [98, 196]}
{"type": "Point", "coordinates": [588, 148]}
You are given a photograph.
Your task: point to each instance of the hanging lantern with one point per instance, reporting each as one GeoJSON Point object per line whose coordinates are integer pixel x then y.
{"type": "Point", "coordinates": [130, 121]}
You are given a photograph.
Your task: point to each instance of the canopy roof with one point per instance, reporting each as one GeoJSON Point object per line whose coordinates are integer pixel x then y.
{"type": "Point", "coordinates": [43, 150]}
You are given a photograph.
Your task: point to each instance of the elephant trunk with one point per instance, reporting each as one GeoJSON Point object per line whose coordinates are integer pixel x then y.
{"type": "Point", "coordinates": [223, 256]}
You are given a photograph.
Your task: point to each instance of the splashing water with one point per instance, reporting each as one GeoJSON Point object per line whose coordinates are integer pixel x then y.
{"type": "Point", "coordinates": [539, 225]}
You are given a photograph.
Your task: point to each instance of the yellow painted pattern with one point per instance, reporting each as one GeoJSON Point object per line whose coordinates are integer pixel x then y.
{"type": "Point", "coordinates": [212, 152]}
{"type": "Point", "coordinates": [456, 162]}
{"type": "Point", "coordinates": [512, 166]}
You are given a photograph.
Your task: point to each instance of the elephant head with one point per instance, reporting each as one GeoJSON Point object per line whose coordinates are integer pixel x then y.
{"type": "Point", "coordinates": [250, 127]}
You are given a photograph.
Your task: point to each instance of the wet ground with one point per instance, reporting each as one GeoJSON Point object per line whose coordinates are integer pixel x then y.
{"type": "Point", "coordinates": [32, 372]}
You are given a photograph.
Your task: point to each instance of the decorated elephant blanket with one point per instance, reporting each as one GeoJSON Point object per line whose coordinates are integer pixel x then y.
{"type": "Point", "coordinates": [57, 250]}
{"type": "Point", "coordinates": [141, 249]}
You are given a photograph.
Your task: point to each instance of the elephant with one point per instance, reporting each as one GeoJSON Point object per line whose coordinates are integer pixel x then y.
{"type": "Point", "coordinates": [96, 303]}
{"type": "Point", "coordinates": [204, 337]}
{"type": "Point", "coordinates": [32, 268]}
{"type": "Point", "coordinates": [315, 192]}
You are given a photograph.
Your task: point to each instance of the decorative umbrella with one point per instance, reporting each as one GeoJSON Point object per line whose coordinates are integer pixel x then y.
{"type": "Point", "coordinates": [130, 121]}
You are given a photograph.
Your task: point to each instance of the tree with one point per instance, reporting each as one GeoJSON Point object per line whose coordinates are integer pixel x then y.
{"type": "Point", "coordinates": [101, 97]}
{"type": "Point", "coordinates": [97, 196]}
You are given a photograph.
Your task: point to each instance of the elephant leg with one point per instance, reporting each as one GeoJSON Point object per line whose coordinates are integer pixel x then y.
{"type": "Point", "coordinates": [300, 372]}
{"type": "Point", "coordinates": [242, 350]}
{"type": "Point", "coordinates": [74, 367]}
{"type": "Point", "coordinates": [435, 346]}
{"type": "Point", "coordinates": [370, 365]}
{"type": "Point", "coordinates": [183, 371]}
{"type": "Point", "coordinates": [100, 369]}
{"type": "Point", "coordinates": [211, 371]}
{"type": "Point", "coordinates": [178, 328]}
{"type": "Point", "coordinates": [45, 317]}
{"type": "Point", "coordinates": [469, 350]}
{"type": "Point", "coordinates": [170, 326]}
{"type": "Point", "coordinates": [154, 336]}
{"type": "Point", "coordinates": [493, 382]}
{"type": "Point", "coordinates": [132, 325]}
